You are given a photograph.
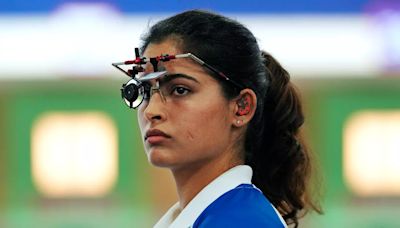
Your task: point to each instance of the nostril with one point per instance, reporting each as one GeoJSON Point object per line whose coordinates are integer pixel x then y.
{"type": "Point", "coordinates": [157, 117]}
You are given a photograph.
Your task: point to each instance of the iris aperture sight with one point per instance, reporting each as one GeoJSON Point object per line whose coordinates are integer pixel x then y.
{"type": "Point", "coordinates": [138, 88]}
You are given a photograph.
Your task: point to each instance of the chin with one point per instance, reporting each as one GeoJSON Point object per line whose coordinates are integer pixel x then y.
{"type": "Point", "coordinates": [159, 158]}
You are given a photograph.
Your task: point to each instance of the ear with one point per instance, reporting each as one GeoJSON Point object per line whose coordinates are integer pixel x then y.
{"type": "Point", "coordinates": [245, 105]}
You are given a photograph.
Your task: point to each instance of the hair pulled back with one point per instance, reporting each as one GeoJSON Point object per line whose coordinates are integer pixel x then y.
{"type": "Point", "coordinates": [280, 162]}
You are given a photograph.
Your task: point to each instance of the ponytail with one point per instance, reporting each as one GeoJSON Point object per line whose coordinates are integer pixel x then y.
{"type": "Point", "coordinates": [280, 161]}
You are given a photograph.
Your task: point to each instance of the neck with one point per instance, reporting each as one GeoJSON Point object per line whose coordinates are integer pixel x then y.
{"type": "Point", "coordinates": [190, 181]}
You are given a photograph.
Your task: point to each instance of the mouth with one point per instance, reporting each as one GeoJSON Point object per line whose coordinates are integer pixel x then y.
{"type": "Point", "coordinates": [155, 136]}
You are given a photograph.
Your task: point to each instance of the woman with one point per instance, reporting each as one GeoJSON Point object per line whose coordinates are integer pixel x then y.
{"type": "Point", "coordinates": [224, 119]}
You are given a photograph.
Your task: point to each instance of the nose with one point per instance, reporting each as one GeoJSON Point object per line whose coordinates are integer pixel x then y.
{"type": "Point", "coordinates": [154, 111]}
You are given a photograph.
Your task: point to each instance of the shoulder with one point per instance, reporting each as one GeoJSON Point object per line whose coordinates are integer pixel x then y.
{"type": "Point", "coordinates": [243, 206]}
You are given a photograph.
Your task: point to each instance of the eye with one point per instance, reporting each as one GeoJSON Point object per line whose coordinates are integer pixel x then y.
{"type": "Point", "coordinates": [180, 91]}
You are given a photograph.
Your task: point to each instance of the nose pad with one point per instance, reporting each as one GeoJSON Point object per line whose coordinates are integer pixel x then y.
{"type": "Point", "coordinates": [156, 89]}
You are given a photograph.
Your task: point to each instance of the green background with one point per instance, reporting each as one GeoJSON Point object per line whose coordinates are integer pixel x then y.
{"type": "Point", "coordinates": [328, 104]}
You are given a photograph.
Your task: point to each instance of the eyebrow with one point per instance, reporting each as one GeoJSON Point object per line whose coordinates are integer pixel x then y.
{"type": "Point", "coordinates": [170, 77]}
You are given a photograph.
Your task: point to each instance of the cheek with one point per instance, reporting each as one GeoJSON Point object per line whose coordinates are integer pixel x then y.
{"type": "Point", "coordinates": [190, 136]}
{"type": "Point", "coordinates": [205, 124]}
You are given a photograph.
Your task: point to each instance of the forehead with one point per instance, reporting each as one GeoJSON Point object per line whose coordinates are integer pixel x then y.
{"type": "Point", "coordinates": [166, 47]}
{"type": "Point", "coordinates": [169, 46]}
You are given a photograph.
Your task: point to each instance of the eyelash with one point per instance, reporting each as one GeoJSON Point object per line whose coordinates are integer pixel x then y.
{"type": "Point", "coordinates": [175, 89]}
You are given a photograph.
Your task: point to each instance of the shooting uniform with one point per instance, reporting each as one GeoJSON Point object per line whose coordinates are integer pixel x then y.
{"type": "Point", "coordinates": [230, 200]}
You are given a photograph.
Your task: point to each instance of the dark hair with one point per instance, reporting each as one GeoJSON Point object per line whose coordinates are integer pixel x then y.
{"type": "Point", "coordinates": [280, 162]}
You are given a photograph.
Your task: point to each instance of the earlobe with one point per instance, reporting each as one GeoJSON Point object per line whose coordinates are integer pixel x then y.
{"type": "Point", "coordinates": [239, 123]}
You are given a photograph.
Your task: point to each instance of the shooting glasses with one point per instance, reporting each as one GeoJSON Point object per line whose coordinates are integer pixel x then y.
{"type": "Point", "coordinates": [137, 88]}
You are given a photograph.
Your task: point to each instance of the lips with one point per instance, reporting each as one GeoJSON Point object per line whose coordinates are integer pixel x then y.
{"type": "Point", "coordinates": [154, 136]}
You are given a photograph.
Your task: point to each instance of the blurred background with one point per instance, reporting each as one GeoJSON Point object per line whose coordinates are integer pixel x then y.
{"type": "Point", "coordinates": [70, 150]}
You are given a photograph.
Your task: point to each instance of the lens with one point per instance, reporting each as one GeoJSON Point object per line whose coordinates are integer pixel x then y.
{"type": "Point", "coordinates": [133, 93]}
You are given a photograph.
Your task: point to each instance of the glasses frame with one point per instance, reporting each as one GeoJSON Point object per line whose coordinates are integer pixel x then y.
{"type": "Point", "coordinates": [139, 61]}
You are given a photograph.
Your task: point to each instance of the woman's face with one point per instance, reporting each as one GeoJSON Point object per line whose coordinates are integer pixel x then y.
{"type": "Point", "coordinates": [193, 125]}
